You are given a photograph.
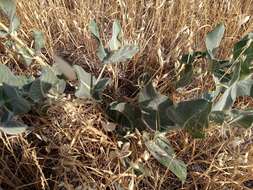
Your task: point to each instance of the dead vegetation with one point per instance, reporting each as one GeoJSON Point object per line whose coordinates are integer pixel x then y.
{"type": "Point", "coordinates": [71, 148]}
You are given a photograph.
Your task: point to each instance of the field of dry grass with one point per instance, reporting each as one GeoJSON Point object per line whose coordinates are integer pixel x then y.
{"type": "Point", "coordinates": [70, 149]}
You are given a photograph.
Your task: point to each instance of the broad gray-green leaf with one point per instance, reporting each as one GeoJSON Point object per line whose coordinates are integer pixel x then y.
{"type": "Point", "coordinates": [15, 23]}
{"type": "Point", "coordinates": [3, 33]}
{"type": "Point", "coordinates": [192, 115]}
{"type": "Point", "coordinates": [121, 55]}
{"type": "Point", "coordinates": [38, 90]}
{"type": "Point", "coordinates": [115, 43]}
{"type": "Point", "coordinates": [241, 118]}
{"type": "Point", "coordinates": [239, 88]}
{"type": "Point", "coordinates": [131, 114]}
{"type": "Point", "coordinates": [16, 103]}
{"type": "Point", "coordinates": [243, 54]}
{"type": "Point", "coordinates": [8, 7]}
{"type": "Point", "coordinates": [99, 87]}
{"type": "Point", "coordinates": [25, 55]}
{"type": "Point", "coordinates": [39, 41]}
{"type": "Point", "coordinates": [162, 151]}
{"type": "Point", "coordinates": [187, 61]}
{"type": "Point", "coordinates": [13, 127]}
{"type": "Point", "coordinates": [7, 77]}
{"type": "Point", "coordinates": [154, 108]}
{"type": "Point", "coordinates": [49, 76]}
{"type": "Point", "coordinates": [101, 52]}
{"type": "Point", "coordinates": [213, 39]}
{"type": "Point", "coordinates": [86, 83]}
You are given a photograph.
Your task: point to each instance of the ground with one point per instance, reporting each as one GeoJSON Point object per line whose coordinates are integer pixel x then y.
{"type": "Point", "coordinates": [71, 148]}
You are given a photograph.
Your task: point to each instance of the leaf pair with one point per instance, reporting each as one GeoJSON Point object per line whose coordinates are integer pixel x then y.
{"type": "Point", "coordinates": [117, 53]}
{"type": "Point", "coordinates": [89, 87]}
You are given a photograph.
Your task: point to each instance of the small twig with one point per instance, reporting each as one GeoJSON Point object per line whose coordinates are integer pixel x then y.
{"type": "Point", "coordinates": [101, 73]}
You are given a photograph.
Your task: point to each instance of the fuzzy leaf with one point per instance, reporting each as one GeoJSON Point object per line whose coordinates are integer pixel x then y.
{"type": "Point", "coordinates": [115, 43]}
{"type": "Point", "coordinates": [243, 53]}
{"type": "Point", "coordinates": [7, 77]}
{"type": "Point", "coordinates": [99, 87]}
{"type": "Point", "coordinates": [3, 33]}
{"type": "Point", "coordinates": [154, 108]}
{"type": "Point", "coordinates": [39, 40]}
{"type": "Point", "coordinates": [126, 115]}
{"type": "Point", "coordinates": [162, 151]}
{"type": "Point", "coordinates": [123, 54]}
{"type": "Point", "coordinates": [16, 103]}
{"type": "Point", "coordinates": [25, 55]}
{"type": "Point", "coordinates": [15, 23]}
{"type": "Point", "coordinates": [13, 127]}
{"type": "Point", "coordinates": [242, 118]}
{"type": "Point", "coordinates": [38, 90]}
{"type": "Point", "coordinates": [213, 39]}
{"type": "Point", "coordinates": [101, 52]}
{"type": "Point", "coordinates": [192, 115]}
{"type": "Point", "coordinates": [187, 62]}
{"type": "Point", "coordinates": [86, 83]}
{"type": "Point", "coordinates": [9, 9]}
{"type": "Point", "coordinates": [239, 88]}
{"type": "Point", "coordinates": [49, 76]}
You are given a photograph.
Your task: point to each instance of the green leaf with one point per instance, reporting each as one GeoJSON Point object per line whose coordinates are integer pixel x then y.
{"type": "Point", "coordinates": [123, 54]}
{"type": "Point", "coordinates": [185, 76]}
{"type": "Point", "coordinates": [86, 83]}
{"type": "Point", "coordinates": [243, 55]}
{"type": "Point", "coordinates": [101, 52]}
{"type": "Point", "coordinates": [241, 118]}
{"type": "Point", "coordinates": [14, 25]}
{"type": "Point", "coordinates": [217, 116]}
{"type": "Point", "coordinates": [38, 90]}
{"type": "Point", "coordinates": [13, 127]}
{"type": "Point", "coordinates": [39, 40]}
{"type": "Point", "coordinates": [7, 77]}
{"type": "Point", "coordinates": [25, 55]}
{"type": "Point", "coordinates": [192, 115]}
{"type": "Point", "coordinates": [8, 7]}
{"type": "Point", "coordinates": [239, 88]}
{"type": "Point", "coordinates": [115, 43]}
{"type": "Point", "coordinates": [220, 70]}
{"type": "Point", "coordinates": [127, 115]}
{"type": "Point", "coordinates": [49, 77]}
{"type": "Point", "coordinates": [16, 103]}
{"type": "Point", "coordinates": [187, 62]}
{"type": "Point", "coordinates": [213, 39]}
{"type": "Point", "coordinates": [161, 150]}
{"type": "Point", "coordinates": [154, 108]}
{"type": "Point", "coordinates": [3, 33]}
{"type": "Point", "coordinates": [192, 57]}
{"type": "Point", "coordinates": [99, 87]}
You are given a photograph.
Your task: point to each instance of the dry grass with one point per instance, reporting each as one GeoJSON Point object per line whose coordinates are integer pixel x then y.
{"type": "Point", "coordinates": [71, 150]}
